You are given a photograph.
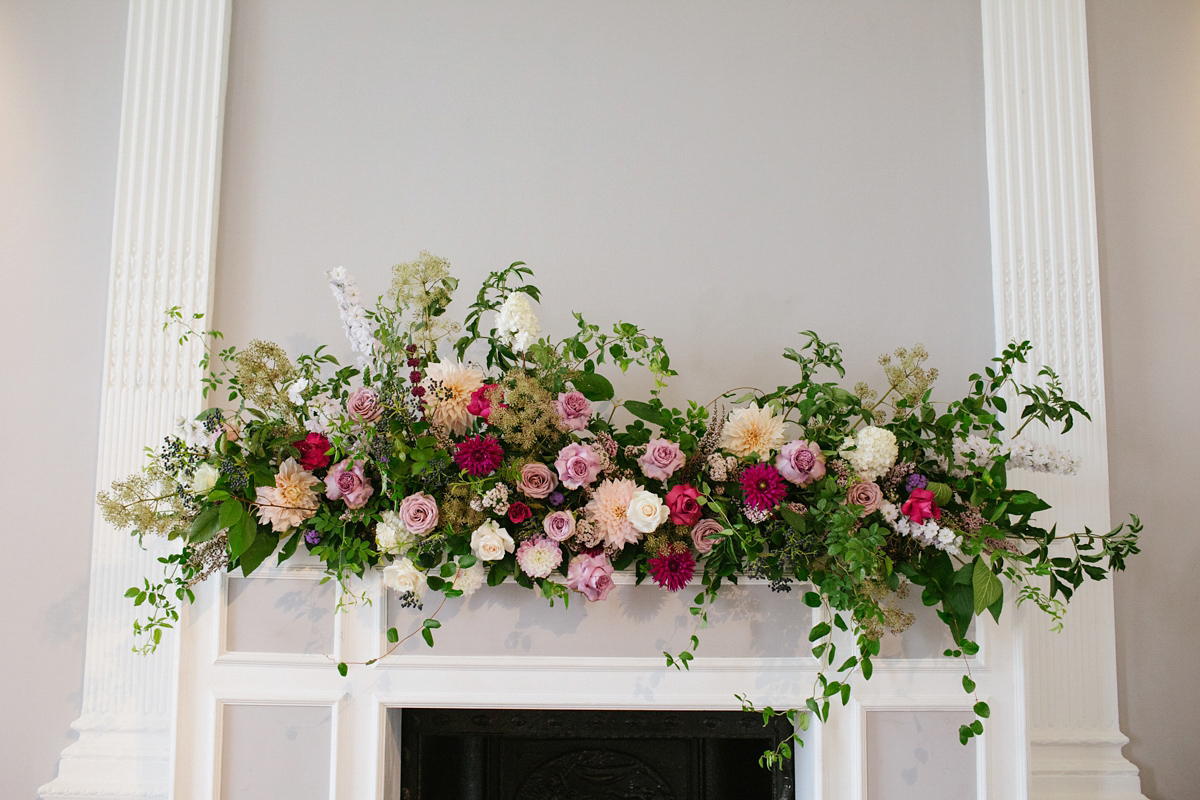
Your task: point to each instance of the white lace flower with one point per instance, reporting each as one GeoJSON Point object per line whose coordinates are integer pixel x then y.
{"type": "Point", "coordinates": [515, 323]}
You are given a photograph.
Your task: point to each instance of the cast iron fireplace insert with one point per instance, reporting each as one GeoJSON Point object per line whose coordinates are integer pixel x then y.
{"type": "Point", "coordinates": [494, 754]}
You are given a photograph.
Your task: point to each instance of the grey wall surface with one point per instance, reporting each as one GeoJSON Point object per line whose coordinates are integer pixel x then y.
{"type": "Point", "coordinates": [61, 65]}
{"type": "Point", "coordinates": [1145, 71]}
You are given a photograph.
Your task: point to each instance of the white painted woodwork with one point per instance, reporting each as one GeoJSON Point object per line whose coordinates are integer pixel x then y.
{"type": "Point", "coordinates": [164, 235]}
{"type": "Point", "coordinates": [1046, 289]}
{"type": "Point", "coordinates": [1054, 724]}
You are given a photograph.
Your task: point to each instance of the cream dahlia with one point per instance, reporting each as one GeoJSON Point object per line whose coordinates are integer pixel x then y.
{"type": "Point", "coordinates": [291, 500]}
{"type": "Point", "coordinates": [752, 430]}
{"type": "Point", "coordinates": [608, 509]}
{"type": "Point", "coordinates": [448, 386]}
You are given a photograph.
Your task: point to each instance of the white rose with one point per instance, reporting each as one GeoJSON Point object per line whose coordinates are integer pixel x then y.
{"type": "Point", "coordinates": [403, 576]}
{"type": "Point", "coordinates": [490, 542]}
{"type": "Point", "coordinates": [205, 478]}
{"type": "Point", "coordinates": [390, 534]}
{"type": "Point", "coordinates": [469, 579]}
{"type": "Point", "coordinates": [646, 511]}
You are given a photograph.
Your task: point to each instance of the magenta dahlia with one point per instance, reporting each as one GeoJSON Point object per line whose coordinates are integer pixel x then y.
{"type": "Point", "coordinates": [478, 456]}
{"type": "Point", "coordinates": [673, 570]}
{"type": "Point", "coordinates": [764, 486]}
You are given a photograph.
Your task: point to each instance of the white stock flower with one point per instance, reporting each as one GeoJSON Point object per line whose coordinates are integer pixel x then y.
{"type": "Point", "coordinates": [402, 576]}
{"type": "Point", "coordinates": [323, 413]}
{"type": "Point", "coordinates": [354, 317]}
{"type": "Point", "coordinates": [191, 431]}
{"type": "Point", "coordinates": [295, 391]}
{"type": "Point", "coordinates": [390, 534]}
{"type": "Point", "coordinates": [515, 323]}
{"type": "Point", "coordinates": [489, 542]}
{"type": "Point", "coordinates": [646, 511]}
{"type": "Point", "coordinates": [1041, 458]}
{"type": "Point", "coordinates": [470, 579]}
{"type": "Point", "coordinates": [874, 452]}
{"type": "Point", "coordinates": [205, 478]}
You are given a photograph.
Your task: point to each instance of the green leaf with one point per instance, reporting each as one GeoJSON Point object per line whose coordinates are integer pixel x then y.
{"type": "Point", "coordinates": [988, 587]}
{"type": "Point", "coordinates": [941, 492]}
{"type": "Point", "coordinates": [204, 527]}
{"type": "Point", "coordinates": [818, 631]}
{"type": "Point", "coordinates": [230, 512]}
{"type": "Point", "coordinates": [968, 684]}
{"type": "Point", "coordinates": [289, 548]}
{"type": "Point", "coordinates": [812, 599]}
{"type": "Point", "coordinates": [982, 710]}
{"type": "Point", "coordinates": [793, 519]}
{"type": "Point", "coordinates": [467, 561]}
{"type": "Point", "coordinates": [263, 545]}
{"type": "Point", "coordinates": [342, 668]}
{"type": "Point", "coordinates": [593, 386]}
{"type": "Point", "coordinates": [427, 635]}
{"type": "Point", "coordinates": [393, 635]}
{"type": "Point", "coordinates": [645, 411]}
{"type": "Point", "coordinates": [242, 535]}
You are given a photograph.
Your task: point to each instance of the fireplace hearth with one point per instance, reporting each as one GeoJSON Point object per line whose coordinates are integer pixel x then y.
{"type": "Point", "coordinates": [490, 754]}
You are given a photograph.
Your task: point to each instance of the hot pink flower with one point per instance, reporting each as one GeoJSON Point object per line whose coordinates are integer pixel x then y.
{"type": "Point", "coordinates": [574, 410]}
{"type": "Point", "coordinates": [673, 570]}
{"type": "Point", "coordinates": [478, 456]}
{"type": "Point", "coordinates": [348, 482]}
{"type": "Point", "coordinates": [920, 506]}
{"type": "Point", "coordinates": [518, 512]}
{"type": "Point", "coordinates": [590, 575]}
{"type": "Point", "coordinates": [682, 502]}
{"type": "Point", "coordinates": [577, 465]}
{"type": "Point", "coordinates": [763, 486]}
{"type": "Point", "coordinates": [481, 405]}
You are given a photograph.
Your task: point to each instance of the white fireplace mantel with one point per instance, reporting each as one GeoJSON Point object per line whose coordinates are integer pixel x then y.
{"type": "Point", "coordinates": [149, 725]}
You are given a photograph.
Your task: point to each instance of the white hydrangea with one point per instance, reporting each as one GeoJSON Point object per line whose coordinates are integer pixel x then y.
{"type": "Point", "coordinates": [354, 316]}
{"type": "Point", "coordinates": [470, 579]}
{"type": "Point", "coordinates": [871, 453]}
{"type": "Point", "coordinates": [516, 325]}
{"type": "Point", "coordinates": [390, 534]}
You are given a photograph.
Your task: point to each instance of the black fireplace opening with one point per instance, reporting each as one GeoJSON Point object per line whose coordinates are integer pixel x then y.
{"type": "Point", "coordinates": [493, 754]}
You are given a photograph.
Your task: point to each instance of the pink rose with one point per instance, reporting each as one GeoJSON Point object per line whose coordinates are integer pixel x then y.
{"type": "Point", "coordinates": [703, 534]}
{"type": "Point", "coordinates": [920, 506]}
{"type": "Point", "coordinates": [419, 513]}
{"type": "Point", "coordinates": [364, 404]}
{"type": "Point", "coordinates": [661, 459]}
{"type": "Point", "coordinates": [348, 482]}
{"type": "Point", "coordinates": [481, 404]}
{"type": "Point", "coordinates": [590, 575]}
{"type": "Point", "coordinates": [682, 502]}
{"type": "Point", "coordinates": [559, 525]}
{"type": "Point", "coordinates": [574, 410]}
{"type": "Point", "coordinates": [801, 462]}
{"type": "Point", "coordinates": [866, 494]}
{"type": "Point", "coordinates": [537, 481]}
{"type": "Point", "coordinates": [577, 465]}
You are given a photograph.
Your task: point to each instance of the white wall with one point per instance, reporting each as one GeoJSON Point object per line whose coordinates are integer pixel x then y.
{"type": "Point", "coordinates": [1145, 70]}
{"type": "Point", "coordinates": [61, 64]}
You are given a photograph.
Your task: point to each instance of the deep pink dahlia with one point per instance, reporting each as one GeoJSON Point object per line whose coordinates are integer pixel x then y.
{"type": "Point", "coordinates": [478, 456]}
{"type": "Point", "coordinates": [673, 570]}
{"type": "Point", "coordinates": [764, 486]}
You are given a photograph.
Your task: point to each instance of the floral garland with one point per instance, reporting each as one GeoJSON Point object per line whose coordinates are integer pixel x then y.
{"type": "Point", "coordinates": [453, 474]}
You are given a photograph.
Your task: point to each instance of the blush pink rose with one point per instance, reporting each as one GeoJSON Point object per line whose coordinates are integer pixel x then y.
{"type": "Point", "coordinates": [704, 534]}
{"type": "Point", "coordinates": [364, 404]}
{"type": "Point", "coordinates": [348, 482]}
{"type": "Point", "coordinates": [661, 459]}
{"type": "Point", "coordinates": [537, 481]}
{"type": "Point", "coordinates": [419, 513]}
{"type": "Point", "coordinates": [682, 501]}
{"type": "Point", "coordinates": [801, 462]}
{"type": "Point", "coordinates": [920, 506]}
{"type": "Point", "coordinates": [577, 465]}
{"type": "Point", "coordinates": [591, 576]}
{"type": "Point", "coordinates": [559, 525]}
{"type": "Point", "coordinates": [574, 410]}
{"type": "Point", "coordinates": [866, 494]}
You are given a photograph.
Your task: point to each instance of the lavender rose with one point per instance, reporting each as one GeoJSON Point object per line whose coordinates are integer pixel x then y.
{"type": "Point", "coordinates": [537, 481]}
{"type": "Point", "coordinates": [346, 481]}
{"type": "Point", "coordinates": [591, 576]}
{"type": "Point", "coordinates": [867, 495]}
{"type": "Point", "coordinates": [577, 465]}
{"type": "Point", "coordinates": [364, 404]}
{"type": "Point", "coordinates": [801, 462]}
{"type": "Point", "coordinates": [574, 410]}
{"type": "Point", "coordinates": [703, 534]}
{"type": "Point", "coordinates": [559, 525]}
{"type": "Point", "coordinates": [419, 513]}
{"type": "Point", "coordinates": [661, 459]}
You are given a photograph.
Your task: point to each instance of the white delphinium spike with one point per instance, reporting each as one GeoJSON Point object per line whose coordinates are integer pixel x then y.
{"type": "Point", "coordinates": [354, 316]}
